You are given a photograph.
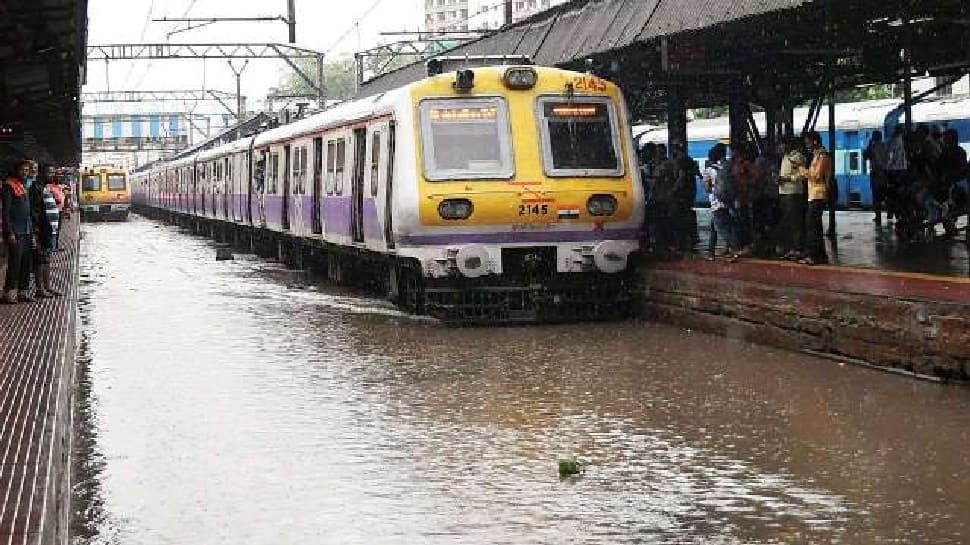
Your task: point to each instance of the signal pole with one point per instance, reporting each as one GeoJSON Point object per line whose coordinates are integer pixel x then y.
{"type": "Point", "coordinates": [291, 19]}
{"type": "Point", "coordinates": [508, 13]}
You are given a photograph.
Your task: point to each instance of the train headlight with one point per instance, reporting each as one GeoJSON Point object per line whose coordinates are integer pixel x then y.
{"type": "Point", "coordinates": [610, 257]}
{"type": "Point", "coordinates": [455, 209]}
{"type": "Point", "coordinates": [601, 205]}
{"type": "Point", "coordinates": [473, 261]}
{"type": "Point", "coordinates": [520, 78]}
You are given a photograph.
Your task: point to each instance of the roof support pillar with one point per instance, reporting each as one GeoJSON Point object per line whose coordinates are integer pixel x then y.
{"type": "Point", "coordinates": [833, 192]}
{"type": "Point", "coordinates": [738, 118]}
{"type": "Point", "coordinates": [676, 118]}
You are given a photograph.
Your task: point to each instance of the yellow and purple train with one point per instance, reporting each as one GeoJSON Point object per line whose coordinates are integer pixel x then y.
{"type": "Point", "coordinates": [501, 193]}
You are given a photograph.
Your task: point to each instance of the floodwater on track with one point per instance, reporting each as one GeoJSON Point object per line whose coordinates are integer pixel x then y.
{"type": "Point", "coordinates": [235, 402]}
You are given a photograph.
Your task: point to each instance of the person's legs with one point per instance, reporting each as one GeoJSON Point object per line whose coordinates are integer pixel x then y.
{"type": "Point", "coordinates": [814, 232]}
{"type": "Point", "coordinates": [12, 280]}
{"type": "Point", "coordinates": [877, 182]}
{"type": "Point", "coordinates": [26, 267]}
{"type": "Point", "coordinates": [712, 239]}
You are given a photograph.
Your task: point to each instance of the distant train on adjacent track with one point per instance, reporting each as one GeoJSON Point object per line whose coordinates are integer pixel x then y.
{"type": "Point", "coordinates": [487, 195]}
{"type": "Point", "coordinates": [105, 193]}
{"type": "Point", "coordinates": [855, 124]}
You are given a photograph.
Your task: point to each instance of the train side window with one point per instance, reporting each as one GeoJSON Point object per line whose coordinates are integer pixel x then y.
{"type": "Point", "coordinates": [299, 170]}
{"type": "Point", "coordinates": [304, 168]}
{"type": "Point", "coordinates": [274, 170]}
{"type": "Point", "coordinates": [331, 167]}
{"type": "Point", "coordinates": [295, 172]}
{"type": "Point", "coordinates": [375, 161]}
{"type": "Point", "coordinates": [854, 161]}
{"type": "Point", "coordinates": [339, 165]}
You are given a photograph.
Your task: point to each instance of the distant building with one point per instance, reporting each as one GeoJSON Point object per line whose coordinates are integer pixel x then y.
{"type": "Point", "coordinates": [445, 15]}
{"type": "Point", "coordinates": [960, 88]}
{"type": "Point", "coordinates": [457, 15]}
{"type": "Point", "coordinates": [488, 14]}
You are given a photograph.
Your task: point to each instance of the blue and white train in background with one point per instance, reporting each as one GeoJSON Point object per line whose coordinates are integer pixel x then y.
{"type": "Point", "coordinates": [855, 122]}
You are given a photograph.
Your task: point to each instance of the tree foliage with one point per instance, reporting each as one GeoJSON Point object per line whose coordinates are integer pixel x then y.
{"type": "Point", "coordinates": [338, 78]}
{"type": "Point", "coordinates": [339, 74]}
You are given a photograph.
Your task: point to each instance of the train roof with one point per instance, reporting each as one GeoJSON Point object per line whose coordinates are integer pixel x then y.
{"type": "Point", "coordinates": [338, 115]}
{"type": "Point", "coordinates": [869, 114]}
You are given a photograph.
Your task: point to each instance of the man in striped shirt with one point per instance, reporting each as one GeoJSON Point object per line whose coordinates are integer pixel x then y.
{"type": "Point", "coordinates": [45, 220]}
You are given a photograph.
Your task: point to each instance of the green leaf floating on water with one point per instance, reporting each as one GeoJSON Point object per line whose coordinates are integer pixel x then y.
{"type": "Point", "coordinates": [569, 467]}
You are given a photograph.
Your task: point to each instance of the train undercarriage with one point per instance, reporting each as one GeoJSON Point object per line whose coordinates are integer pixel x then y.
{"type": "Point", "coordinates": [529, 292]}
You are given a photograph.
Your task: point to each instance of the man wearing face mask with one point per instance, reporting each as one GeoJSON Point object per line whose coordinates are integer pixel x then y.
{"type": "Point", "coordinates": [17, 233]}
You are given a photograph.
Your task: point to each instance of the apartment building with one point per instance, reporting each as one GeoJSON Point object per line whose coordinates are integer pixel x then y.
{"type": "Point", "coordinates": [445, 15]}
{"type": "Point", "coordinates": [452, 15]}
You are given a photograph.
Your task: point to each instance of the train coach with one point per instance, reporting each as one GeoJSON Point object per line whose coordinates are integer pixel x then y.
{"type": "Point", "coordinates": [855, 124]}
{"type": "Point", "coordinates": [488, 194]}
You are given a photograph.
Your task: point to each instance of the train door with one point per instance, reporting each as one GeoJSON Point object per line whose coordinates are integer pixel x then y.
{"type": "Point", "coordinates": [357, 185]}
{"type": "Point", "coordinates": [249, 187]}
{"type": "Point", "coordinates": [389, 187]}
{"type": "Point", "coordinates": [852, 170]}
{"type": "Point", "coordinates": [286, 188]}
{"type": "Point", "coordinates": [227, 186]}
{"type": "Point", "coordinates": [298, 188]}
{"type": "Point", "coordinates": [316, 225]}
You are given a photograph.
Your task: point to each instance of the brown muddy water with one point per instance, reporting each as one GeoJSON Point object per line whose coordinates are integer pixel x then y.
{"type": "Point", "coordinates": [235, 402]}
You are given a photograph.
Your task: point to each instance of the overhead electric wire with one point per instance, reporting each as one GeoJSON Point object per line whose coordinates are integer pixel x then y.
{"type": "Point", "coordinates": [355, 25]}
{"type": "Point", "coordinates": [141, 38]}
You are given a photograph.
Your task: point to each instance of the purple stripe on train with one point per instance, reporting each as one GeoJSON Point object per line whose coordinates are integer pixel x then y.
{"type": "Point", "coordinates": [519, 237]}
{"type": "Point", "coordinates": [336, 215]}
{"type": "Point", "coordinates": [372, 224]}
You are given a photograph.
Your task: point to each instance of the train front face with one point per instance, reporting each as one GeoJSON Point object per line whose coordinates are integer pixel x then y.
{"type": "Point", "coordinates": [105, 194]}
{"type": "Point", "coordinates": [528, 204]}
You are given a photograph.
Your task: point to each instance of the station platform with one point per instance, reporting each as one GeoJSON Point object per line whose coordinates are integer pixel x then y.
{"type": "Point", "coordinates": [860, 243]}
{"type": "Point", "coordinates": [905, 309]}
{"type": "Point", "coordinates": [37, 343]}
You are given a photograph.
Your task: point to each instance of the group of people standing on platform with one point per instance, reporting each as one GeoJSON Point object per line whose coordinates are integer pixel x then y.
{"type": "Point", "coordinates": [32, 205]}
{"type": "Point", "coordinates": [772, 205]}
{"type": "Point", "coordinates": [768, 204]}
{"type": "Point", "coordinates": [919, 177]}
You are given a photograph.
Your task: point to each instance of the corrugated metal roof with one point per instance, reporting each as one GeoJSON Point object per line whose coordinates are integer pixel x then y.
{"type": "Point", "coordinates": [675, 16]}
{"type": "Point", "coordinates": [583, 28]}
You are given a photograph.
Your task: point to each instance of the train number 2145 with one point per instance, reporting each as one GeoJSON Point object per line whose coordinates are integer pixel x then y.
{"type": "Point", "coordinates": [533, 210]}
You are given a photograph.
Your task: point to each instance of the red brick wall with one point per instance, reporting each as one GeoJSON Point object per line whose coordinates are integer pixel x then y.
{"type": "Point", "coordinates": [924, 337]}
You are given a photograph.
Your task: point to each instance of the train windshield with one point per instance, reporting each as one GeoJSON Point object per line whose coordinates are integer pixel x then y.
{"type": "Point", "coordinates": [466, 139]}
{"type": "Point", "coordinates": [580, 137]}
{"type": "Point", "coordinates": [91, 183]}
{"type": "Point", "coordinates": [116, 182]}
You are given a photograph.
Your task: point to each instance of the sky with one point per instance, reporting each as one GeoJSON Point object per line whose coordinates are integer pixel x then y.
{"type": "Point", "coordinates": [320, 26]}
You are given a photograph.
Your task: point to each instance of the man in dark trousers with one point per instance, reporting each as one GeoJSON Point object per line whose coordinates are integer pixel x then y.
{"type": "Point", "coordinates": [17, 232]}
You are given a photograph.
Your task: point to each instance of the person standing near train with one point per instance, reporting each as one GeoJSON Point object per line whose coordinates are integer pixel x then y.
{"type": "Point", "coordinates": [791, 200]}
{"type": "Point", "coordinates": [819, 175]}
{"type": "Point", "coordinates": [17, 233]}
{"type": "Point", "coordinates": [44, 219]}
{"type": "Point", "coordinates": [878, 156]}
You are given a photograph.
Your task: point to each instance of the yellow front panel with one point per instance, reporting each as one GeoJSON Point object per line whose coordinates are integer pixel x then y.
{"type": "Point", "coordinates": [529, 197]}
{"type": "Point", "coordinates": [104, 195]}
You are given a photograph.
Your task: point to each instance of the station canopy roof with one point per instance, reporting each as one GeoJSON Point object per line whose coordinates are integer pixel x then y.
{"type": "Point", "coordinates": [42, 59]}
{"type": "Point", "coordinates": [763, 49]}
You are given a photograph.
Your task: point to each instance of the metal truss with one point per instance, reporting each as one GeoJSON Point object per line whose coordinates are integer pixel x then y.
{"type": "Point", "coordinates": [424, 46]}
{"type": "Point", "coordinates": [287, 53]}
{"type": "Point", "coordinates": [224, 98]}
{"type": "Point", "coordinates": [198, 51]}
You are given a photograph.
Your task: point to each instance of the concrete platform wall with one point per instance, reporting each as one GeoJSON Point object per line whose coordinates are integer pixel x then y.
{"type": "Point", "coordinates": [920, 336]}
